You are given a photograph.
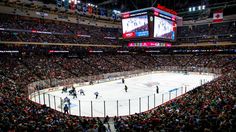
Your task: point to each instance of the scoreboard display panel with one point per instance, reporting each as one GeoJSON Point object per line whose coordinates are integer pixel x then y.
{"type": "Point", "coordinates": [164, 28]}
{"type": "Point", "coordinates": [150, 27]}
{"type": "Point", "coordinates": [135, 27]}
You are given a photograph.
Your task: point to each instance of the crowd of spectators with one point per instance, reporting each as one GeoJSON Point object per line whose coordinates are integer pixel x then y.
{"type": "Point", "coordinates": [207, 29]}
{"type": "Point", "coordinates": [209, 107]}
{"type": "Point", "coordinates": [207, 32]}
{"type": "Point", "coordinates": [28, 29]}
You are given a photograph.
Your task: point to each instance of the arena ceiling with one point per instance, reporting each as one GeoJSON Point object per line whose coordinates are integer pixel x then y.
{"type": "Point", "coordinates": [127, 5]}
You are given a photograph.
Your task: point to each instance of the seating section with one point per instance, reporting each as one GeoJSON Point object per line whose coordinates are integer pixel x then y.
{"type": "Point", "coordinates": [207, 33]}
{"type": "Point", "coordinates": [28, 29]}
{"type": "Point", "coordinates": [209, 107]}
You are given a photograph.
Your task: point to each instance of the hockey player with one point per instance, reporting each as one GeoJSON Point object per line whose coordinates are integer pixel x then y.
{"type": "Point", "coordinates": [81, 92]}
{"type": "Point", "coordinates": [73, 88]}
{"type": "Point", "coordinates": [64, 89]}
{"type": "Point", "coordinates": [66, 108]}
{"type": "Point", "coordinates": [66, 100]}
{"type": "Point", "coordinates": [74, 95]}
{"type": "Point", "coordinates": [157, 89]}
{"type": "Point", "coordinates": [123, 80]}
{"type": "Point", "coordinates": [72, 91]}
{"type": "Point", "coordinates": [96, 94]}
{"type": "Point", "coordinates": [126, 88]}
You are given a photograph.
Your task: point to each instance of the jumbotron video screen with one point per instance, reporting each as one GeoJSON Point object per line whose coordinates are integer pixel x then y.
{"type": "Point", "coordinates": [135, 27]}
{"type": "Point", "coordinates": [164, 29]}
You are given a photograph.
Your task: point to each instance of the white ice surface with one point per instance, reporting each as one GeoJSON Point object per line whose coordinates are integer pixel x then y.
{"type": "Point", "coordinates": [141, 90]}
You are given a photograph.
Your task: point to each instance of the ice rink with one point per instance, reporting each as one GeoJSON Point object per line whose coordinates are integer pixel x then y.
{"type": "Point", "coordinates": [113, 100]}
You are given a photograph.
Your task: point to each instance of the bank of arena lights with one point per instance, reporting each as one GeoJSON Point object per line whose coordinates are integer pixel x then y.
{"type": "Point", "coordinates": [75, 1]}
{"type": "Point", "coordinates": [197, 8]}
{"type": "Point", "coordinates": [92, 5]}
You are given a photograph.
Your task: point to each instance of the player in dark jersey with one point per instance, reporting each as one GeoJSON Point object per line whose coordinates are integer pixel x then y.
{"type": "Point", "coordinates": [64, 90]}
{"type": "Point", "coordinates": [157, 89]}
{"type": "Point", "coordinates": [123, 80]}
{"type": "Point", "coordinates": [74, 95]}
{"type": "Point", "coordinates": [96, 94]}
{"type": "Point", "coordinates": [126, 88]}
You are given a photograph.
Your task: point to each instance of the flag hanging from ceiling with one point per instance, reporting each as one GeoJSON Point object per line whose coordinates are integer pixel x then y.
{"type": "Point", "coordinates": [218, 16]}
{"type": "Point", "coordinates": [66, 4]}
{"type": "Point", "coordinates": [72, 4]}
{"type": "Point", "coordinates": [59, 3]}
{"type": "Point", "coordinates": [90, 9]}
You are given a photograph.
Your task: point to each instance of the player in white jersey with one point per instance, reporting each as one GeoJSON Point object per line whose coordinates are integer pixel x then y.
{"type": "Point", "coordinates": [67, 101]}
{"type": "Point", "coordinates": [81, 92]}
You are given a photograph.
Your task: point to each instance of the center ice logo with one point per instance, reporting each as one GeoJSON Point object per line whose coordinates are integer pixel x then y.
{"type": "Point", "coordinates": [151, 84]}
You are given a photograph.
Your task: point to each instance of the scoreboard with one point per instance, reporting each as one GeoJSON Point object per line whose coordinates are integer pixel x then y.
{"type": "Point", "coordinates": [164, 28]}
{"type": "Point", "coordinates": [136, 26]}
{"type": "Point", "coordinates": [149, 25]}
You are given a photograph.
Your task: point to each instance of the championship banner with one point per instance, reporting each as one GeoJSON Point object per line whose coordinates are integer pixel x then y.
{"type": "Point", "coordinates": [90, 9]}
{"type": "Point", "coordinates": [72, 4]}
{"type": "Point", "coordinates": [218, 16]}
{"type": "Point", "coordinates": [59, 3]}
{"type": "Point", "coordinates": [66, 4]}
{"type": "Point", "coordinates": [85, 8]}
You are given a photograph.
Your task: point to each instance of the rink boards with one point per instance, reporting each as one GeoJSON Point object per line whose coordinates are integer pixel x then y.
{"type": "Point", "coordinates": [113, 100]}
